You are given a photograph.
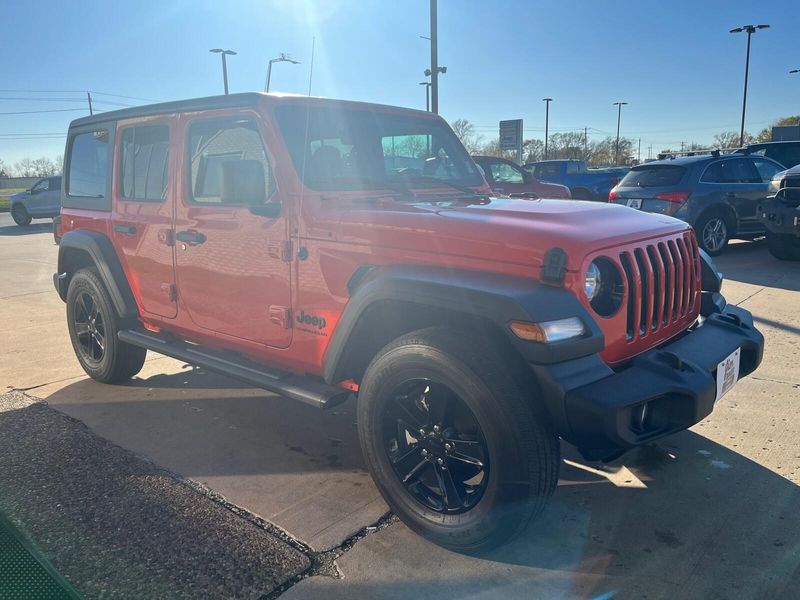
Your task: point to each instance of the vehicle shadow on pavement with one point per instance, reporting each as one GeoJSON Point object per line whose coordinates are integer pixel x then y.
{"type": "Point", "coordinates": [15, 230]}
{"type": "Point", "coordinates": [687, 510]}
{"type": "Point", "coordinates": [751, 262]}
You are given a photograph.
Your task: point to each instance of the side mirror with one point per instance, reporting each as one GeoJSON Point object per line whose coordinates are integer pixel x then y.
{"type": "Point", "coordinates": [243, 182]}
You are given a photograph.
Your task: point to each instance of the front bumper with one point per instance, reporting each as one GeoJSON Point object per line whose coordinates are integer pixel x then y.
{"type": "Point", "coordinates": [780, 217]}
{"type": "Point", "coordinates": [600, 410]}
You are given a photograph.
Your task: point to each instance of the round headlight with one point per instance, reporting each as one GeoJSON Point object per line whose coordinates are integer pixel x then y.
{"type": "Point", "coordinates": [591, 283]}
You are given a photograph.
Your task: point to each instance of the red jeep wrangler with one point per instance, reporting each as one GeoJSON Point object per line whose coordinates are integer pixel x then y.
{"type": "Point", "coordinates": [319, 248]}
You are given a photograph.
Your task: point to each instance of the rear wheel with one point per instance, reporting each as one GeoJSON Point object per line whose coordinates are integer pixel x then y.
{"type": "Point", "coordinates": [93, 325]}
{"type": "Point", "coordinates": [713, 232]}
{"type": "Point", "coordinates": [20, 215]}
{"type": "Point", "coordinates": [452, 440]}
{"type": "Point", "coordinates": [783, 246]}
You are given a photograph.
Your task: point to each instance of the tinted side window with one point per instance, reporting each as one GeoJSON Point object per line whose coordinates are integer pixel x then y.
{"type": "Point", "coordinates": [505, 173]}
{"type": "Point", "coordinates": [736, 170]}
{"type": "Point", "coordinates": [547, 171]}
{"type": "Point", "coordinates": [766, 168]}
{"type": "Point", "coordinates": [88, 164]}
{"type": "Point", "coordinates": [144, 158]}
{"type": "Point", "coordinates": [214, 143]}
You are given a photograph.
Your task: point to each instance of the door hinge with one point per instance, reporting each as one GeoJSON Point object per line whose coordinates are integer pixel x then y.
{"type": "Point", "coordinates": [281, 315]}
{"type": "Point", "coordinates": [171, 290]}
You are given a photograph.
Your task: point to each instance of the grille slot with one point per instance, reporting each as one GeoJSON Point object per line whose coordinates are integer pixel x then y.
{"type": "Point", "coordinates": [662, 280]}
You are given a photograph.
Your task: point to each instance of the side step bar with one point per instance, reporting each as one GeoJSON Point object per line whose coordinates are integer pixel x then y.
{"type": "Point", "coordinates": [292, 386]}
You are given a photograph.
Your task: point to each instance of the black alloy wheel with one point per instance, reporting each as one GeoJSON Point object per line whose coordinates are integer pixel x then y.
{"type": "Point", "coordinates": [436, 447]}
{"type": "Point", "coordinates": [90, 328]}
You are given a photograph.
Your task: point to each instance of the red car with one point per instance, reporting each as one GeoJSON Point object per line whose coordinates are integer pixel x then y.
{"type": "Point", "coordinates": [507, 178]}
{"type": "Point", "coordinates": [321, 248]}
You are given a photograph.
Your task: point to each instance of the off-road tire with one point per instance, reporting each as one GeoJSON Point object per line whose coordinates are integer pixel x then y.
{"type": "Point", "coordinates": [708, 219]}
{"type": "Point", "coordinates": [523, 452]}
{"type": "Point", "coordinates": [783, 246]}
{"type": "Point", "coordinates": [119, 361]}
{"type": "Point", "coordinates": [20, 215]}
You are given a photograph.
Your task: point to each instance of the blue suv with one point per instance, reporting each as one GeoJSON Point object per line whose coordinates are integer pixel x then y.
{"type": "Point", "coordinates": [718, 194]}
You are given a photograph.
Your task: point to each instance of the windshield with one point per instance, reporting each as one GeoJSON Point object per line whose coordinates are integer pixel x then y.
{"type": "Point", "coordinates": [345, 148]}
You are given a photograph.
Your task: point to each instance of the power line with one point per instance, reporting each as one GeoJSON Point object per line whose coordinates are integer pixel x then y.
{"type": "Point", "coordinates": [31, 112]}
{"type": "Point", "coordinates": [77, 92]}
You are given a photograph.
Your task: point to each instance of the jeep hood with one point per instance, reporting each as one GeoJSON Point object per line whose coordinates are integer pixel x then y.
{"type": "Point", "coordinates": [503, 229]}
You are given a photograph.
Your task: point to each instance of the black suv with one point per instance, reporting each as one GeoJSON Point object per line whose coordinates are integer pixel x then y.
{"type": "Point", "coordinates": [786, 153]}
{"type": "Point", "coordinates": [717, 194]}
{"type": "Point", "coordinates": [780, 214]}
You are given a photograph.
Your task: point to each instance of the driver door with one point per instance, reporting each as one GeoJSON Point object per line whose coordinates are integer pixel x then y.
{"type": "Point", "coordinates": [232, 265]}
{"type": "Point", "coordinates": [38, 197]}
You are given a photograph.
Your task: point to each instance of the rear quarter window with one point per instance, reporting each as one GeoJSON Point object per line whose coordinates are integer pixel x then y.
{"type": "Point", "coordinates": [654, 176]}
{"type": "Point", "coordinates": [88, 165]}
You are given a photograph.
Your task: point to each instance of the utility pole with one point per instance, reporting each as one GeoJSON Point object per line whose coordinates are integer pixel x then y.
{"type": "Point", "coordinates": [683, 144]}
{"type": "Point", "coordinates": [585, 143]}
{"type": "Point", "coordinates": [89, 97]}
{"type": "Point", "coordinates": [619, 117]}
{"type": "Point", "coordinates": [650, 151]}
{"type": "Point", "coordinates": [434, 60]}
{"type": "Point", "coordinates": [547, 102]}
{"type": "Point", "coordinates": [639, 156]}
{"type": "Point", "coordinates": [750, 30]}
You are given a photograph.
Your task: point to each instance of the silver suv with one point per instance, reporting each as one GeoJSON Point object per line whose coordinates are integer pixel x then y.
{"type": "Point", "coordinates": [42, 200]}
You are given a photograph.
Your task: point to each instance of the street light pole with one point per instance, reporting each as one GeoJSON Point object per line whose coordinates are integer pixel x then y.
{"type": "Point", "coordinates": [224, 53]}
{"type": "Point", "coordinates": [547, 102]}
{"type": "Point", "coordinates": [619, 117]}
{"type": "Point", "coordinates": [282, 57]}
{"type": "Point", "coordinates": [427, 85]}
{"type": "Point", "coordinates": [434, 59]}
{"type": "Point", "coordinates": [750, 30]}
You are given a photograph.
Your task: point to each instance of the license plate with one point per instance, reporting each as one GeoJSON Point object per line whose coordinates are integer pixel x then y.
{"type": "Point", "coordinates": [728, 373]}
{"type": "Point", "coordinates": [635, 203]}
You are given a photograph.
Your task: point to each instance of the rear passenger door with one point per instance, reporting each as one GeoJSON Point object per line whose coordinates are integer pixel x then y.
{"type": "Point", "coordinates": [142, 212]}
{"type": "Point", "coordinates": [52, 200]}
{"type": "Point", "coordinates": [738, 185]}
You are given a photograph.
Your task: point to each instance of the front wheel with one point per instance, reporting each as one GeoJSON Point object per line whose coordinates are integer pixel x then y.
{"type": "Point", "coordinates": [454, 443]}
{"type": "Point", "coordinates": [20, 215]}
{"type": "Point", "coordinates": [93, 325]}
{"type": "Point", "coordinates": [783, 246]}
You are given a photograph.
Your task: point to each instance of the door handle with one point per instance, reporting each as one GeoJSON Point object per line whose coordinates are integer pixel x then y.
{"type": "Point", "coordinates": [126, 229]}
{"type": "Point", "coordinates": [190, 237]}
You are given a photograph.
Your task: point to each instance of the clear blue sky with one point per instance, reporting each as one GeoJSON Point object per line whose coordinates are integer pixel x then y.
{"type": "Point", "coordinates": [674, 62]}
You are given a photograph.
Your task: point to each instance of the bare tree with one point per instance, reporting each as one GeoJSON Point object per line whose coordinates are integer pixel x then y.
{"type": "Point", "coordinates": [4, 170]}
{"type": "Point", "coordinates": [465, 131]}
{"type": "Point", "coordinates": [25, 168]}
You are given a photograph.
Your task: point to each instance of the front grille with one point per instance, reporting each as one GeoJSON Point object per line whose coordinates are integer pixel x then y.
{"type": "Point", "coordinates": [662, 280]}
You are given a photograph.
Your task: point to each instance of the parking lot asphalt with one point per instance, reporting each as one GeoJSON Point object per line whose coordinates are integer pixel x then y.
{"type": "Point", "coordinates": [710, 512]}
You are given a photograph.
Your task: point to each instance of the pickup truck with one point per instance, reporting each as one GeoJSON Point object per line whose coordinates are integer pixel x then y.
{"type": "Point", "coordinates": [780, 215]}
{"type": "Point", "coordinates": [584, 183]}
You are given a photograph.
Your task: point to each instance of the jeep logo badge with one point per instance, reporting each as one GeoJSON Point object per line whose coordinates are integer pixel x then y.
{"type": "Point", "coordinates": [318, 322]}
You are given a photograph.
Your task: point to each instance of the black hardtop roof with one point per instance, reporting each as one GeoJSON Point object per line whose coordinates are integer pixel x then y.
{"type": "Point", "coordinates": [243, 99]}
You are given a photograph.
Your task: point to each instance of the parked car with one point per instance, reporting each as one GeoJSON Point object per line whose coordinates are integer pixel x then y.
{"type": "Point", "coordinates": [717, 194]}
{"type": "Point", "coordinates": [288, 242]}
{"type": "Point", "coordinates": [786, 153]}
{"type": "Point", "coordinates": [506, 177]}
{"type": "Point", "coordinates": [583, 183]}
{"type": "Point", "coordinates": [780, 215]}
{"type": "Point", "coordinates": [43, 199]}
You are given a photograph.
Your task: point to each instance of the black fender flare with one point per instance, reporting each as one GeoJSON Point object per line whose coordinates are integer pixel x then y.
{"type": "Point", "coordinates": [495, 297]}
{"type": "Point", "coordinates": [101, 252]}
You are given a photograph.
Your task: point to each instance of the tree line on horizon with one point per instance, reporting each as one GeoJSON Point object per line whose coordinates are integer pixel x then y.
{"type": "Point", "coordinates": [32, 167]}
{"type": "Point", "coordinates": [597, 153]}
